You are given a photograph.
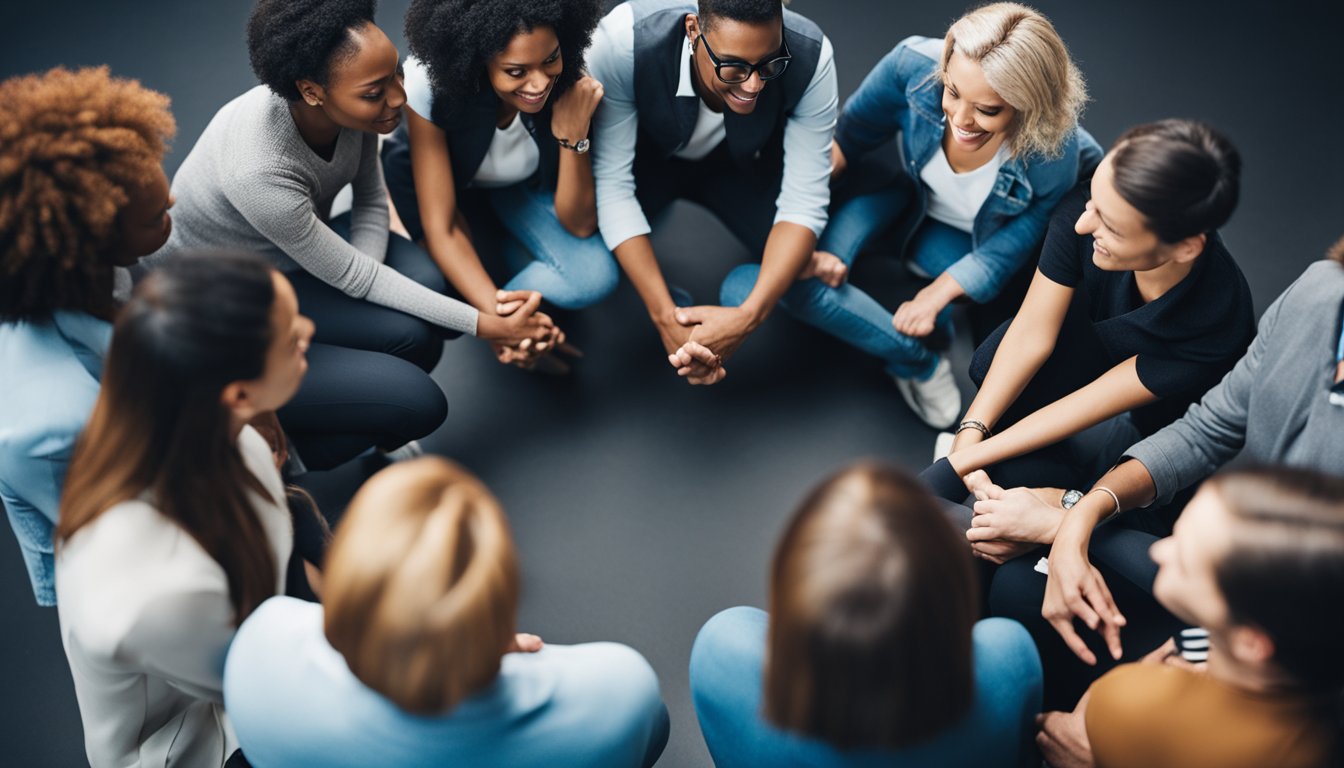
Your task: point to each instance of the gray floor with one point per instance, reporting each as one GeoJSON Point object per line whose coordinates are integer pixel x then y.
{"type": "Point", "coordinates": [643, 506]}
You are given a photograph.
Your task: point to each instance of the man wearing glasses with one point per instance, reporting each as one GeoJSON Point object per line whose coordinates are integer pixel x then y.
{"type": "Point", "coordinates": [731, 105]}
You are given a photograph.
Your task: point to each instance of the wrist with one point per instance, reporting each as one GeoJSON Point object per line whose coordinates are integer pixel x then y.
{"type": "Point", "coordinates": [753, 313]}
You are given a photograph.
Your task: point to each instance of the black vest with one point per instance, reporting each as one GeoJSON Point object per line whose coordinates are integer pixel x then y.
{"type": "Point", "coordinates": [755, 141]}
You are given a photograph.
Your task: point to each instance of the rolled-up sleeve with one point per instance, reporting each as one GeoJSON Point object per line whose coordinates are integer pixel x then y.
{"type": "Point", "coordinates": [805, 191]}
{"type": "Point", "coordinates": [611, 61]}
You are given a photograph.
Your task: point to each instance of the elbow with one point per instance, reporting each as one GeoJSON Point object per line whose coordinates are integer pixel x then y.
{"type": "Point", "coordinates": [580, 226]}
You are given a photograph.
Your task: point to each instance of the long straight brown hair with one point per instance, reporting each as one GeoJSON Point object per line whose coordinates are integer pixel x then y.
{"type": "Point", "coordinates": [195, 325]}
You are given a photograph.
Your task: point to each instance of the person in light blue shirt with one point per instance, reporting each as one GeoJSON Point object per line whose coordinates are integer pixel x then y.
{"type": "Point", "coordinates": [91, 146]}
{"type": "Point", "coordinates": [871, 654]}
{"type": "Point", "coordinates": [413, 659]}
{"type": "Point", "coordinates": [989, 135]}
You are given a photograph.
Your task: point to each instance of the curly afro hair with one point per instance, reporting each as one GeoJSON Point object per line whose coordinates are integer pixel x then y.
{"type": "Point", "coordinates": [455, 39]}
{"type": "Point", "coordinates": [71, 146]}
{"type": "Point", "coordinates": [289, 40]}
{"type": "Point", "coordinates": [748, 11]}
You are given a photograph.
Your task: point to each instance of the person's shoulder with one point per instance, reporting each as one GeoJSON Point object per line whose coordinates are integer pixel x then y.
{"type": "Point", "coordinates": [918, 53]}
{"type": "Point", "coordinates": [279, 622]}
{"type": "Point", "coordinates": [604, 669]}
{"type": "Point", "coordinates": [1072, 205]}
{"type": "Point", "coordinates": [1134, 693]}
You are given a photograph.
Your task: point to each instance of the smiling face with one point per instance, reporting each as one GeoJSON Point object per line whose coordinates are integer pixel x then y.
{"type": "Point", "coordinates": [1121, 239]}
{"type": "Point", "coordinates": [364, 91]}
{"type": "Point", "coordinates": [976, 115]}
{"type": "Point", "coordinates": [1186, 581]}
{"type": "Point", "coordinates": [143, 224]}
{"type": "Point", "coordinates": [733, 42]}
{"type": "Point", "coordinates": [524, 73]}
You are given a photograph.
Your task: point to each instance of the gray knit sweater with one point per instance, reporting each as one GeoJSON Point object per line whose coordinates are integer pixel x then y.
{"type": "Point", "coordinates": [1276, 405]}
{"type": "Point", "coordinates": [251, 183]}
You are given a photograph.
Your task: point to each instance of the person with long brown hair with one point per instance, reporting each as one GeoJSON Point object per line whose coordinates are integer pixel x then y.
{"type": "Point", "coordinates": [413, 658]}
{"type": "Point", "coordinates": [82, 193]}
{"type": "Point", "coordinates": [173, 526]}
{"type": "Point", "coordinates": [871, 653]}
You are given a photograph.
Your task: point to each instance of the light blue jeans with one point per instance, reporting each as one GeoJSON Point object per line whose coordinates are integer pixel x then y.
{"type": "Point", "coordinates": [570, 272]}
{"type": "Point", "coordinates": [849, 313]}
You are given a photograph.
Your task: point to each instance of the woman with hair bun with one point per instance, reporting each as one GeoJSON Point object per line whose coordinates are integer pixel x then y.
{"type": "Point", "coordinates": [412, 659]}
{"type": "Point", "coordinates": [498, 109]}
{"type": "Point", "coordinates": [988, 118]}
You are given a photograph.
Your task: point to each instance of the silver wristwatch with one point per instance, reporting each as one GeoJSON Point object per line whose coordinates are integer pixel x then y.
{"type": "Point", "coordinates": [1070, 498]}
{"type": "Point", "coordinates": [581, 146]}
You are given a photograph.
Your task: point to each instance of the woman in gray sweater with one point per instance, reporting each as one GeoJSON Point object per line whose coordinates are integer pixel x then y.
{"type": "Point", "coordinates": [262, 178]}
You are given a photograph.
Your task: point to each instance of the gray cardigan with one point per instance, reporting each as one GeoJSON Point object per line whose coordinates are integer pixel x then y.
{"type": "Point", "coordinates": [1275, 405]}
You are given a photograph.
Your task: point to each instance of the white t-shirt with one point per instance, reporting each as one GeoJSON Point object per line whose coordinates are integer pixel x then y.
{"type": "Point", "coordinates": [956, 198]}
{"type": "Point", "coordinates": [709, 129]}
{"type": "Point", "coordinates": [513, 155]}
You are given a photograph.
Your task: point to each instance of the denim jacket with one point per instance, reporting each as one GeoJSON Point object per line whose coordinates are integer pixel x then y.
{"type": "Point", "coordinates": [902, 93]}
{"type": "Point", "coordinates": [49, 378]}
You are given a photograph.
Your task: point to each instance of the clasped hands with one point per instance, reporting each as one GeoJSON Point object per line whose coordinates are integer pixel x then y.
{"type": "Point", "coordinates": [532, 332]}
{"type": "Point", "coordinates": [699, 339]}
{"type": "Point", "coordinates": [1009, 523]}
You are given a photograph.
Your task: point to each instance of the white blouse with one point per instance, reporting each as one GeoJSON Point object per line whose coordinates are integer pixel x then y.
{"type": "Point", "coordinates": [146, 621]}
{"type": "Point", "coordinates": [956, 198]}
{"type": "Point", "coordinates": [513, 157]}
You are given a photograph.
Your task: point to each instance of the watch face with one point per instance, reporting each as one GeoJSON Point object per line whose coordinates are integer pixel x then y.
{"type": "Point", "coordinates": [582, 146]}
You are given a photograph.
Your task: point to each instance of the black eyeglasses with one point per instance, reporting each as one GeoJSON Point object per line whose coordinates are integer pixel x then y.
{"type": "Point", "coordinates": [733, 72]}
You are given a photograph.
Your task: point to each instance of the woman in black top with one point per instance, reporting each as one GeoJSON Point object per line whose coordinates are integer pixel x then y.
{"type": "Point", "coordinates": [497, 117]}
{"type": "Point", "coordinates": [1135, 311]}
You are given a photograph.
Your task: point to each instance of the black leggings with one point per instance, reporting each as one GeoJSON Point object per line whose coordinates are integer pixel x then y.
{"type": "Point", "coordinates": [368, 382]}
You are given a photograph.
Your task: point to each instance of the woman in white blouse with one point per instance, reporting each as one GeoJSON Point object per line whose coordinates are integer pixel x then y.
{"type": "Point", "coordinates": [173, 527]}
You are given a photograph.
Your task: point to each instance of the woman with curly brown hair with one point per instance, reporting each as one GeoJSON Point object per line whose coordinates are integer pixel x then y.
{"type": "Point", "coordinates": [497, 116]}
{"type": "Point", "coordinates": [82, 193]}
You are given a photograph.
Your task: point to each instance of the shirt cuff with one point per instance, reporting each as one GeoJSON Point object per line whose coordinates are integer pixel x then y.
{"type": "Point", "coordinates": [621, 224]}
{"type": "Point", "coordinates": [977, 281]}
{"type": "Point", "coordinates": [815, 223]}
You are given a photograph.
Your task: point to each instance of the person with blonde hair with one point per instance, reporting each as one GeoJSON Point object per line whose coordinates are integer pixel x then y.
{"type": "Point", "coordinates": [988, 118]}
{"type": "Point", "coordinates": [871, 653]}
{"type": "Point", "coordinates": [413, 659]}
{"type": "Point", "coordinates": [82, 194]}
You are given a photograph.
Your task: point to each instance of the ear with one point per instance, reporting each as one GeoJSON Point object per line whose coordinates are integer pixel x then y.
{"type": "Point", "coordinates": [312, 93]}
{"type": "Point", "coordinates": [692, 27]}
{"type": "Point", "coordinates": [235, 398]}
{"type": "Point", "coordinates": [1188, 249]}
{"type": "Point", "coordinates": [1251, 645]}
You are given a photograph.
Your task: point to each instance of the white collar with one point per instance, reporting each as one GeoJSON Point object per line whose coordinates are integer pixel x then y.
{"type": "Point", "coordinates": [685, 87]}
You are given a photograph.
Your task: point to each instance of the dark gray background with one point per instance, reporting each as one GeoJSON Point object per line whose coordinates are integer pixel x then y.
{"type": "Point", "coordinates": [642, 506]}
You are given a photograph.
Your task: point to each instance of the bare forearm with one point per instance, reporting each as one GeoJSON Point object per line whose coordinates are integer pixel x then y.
{"type": "Point", "coordinates": [575, 198]}
{"type": "Point", "coordinates": [456, 257]}
{"type": "Point", "coordinates": [637, 259]}
{"type": "Point", "coordinates": [787, 250]}
{"type": "Point", "coordinates": [1017, 360]}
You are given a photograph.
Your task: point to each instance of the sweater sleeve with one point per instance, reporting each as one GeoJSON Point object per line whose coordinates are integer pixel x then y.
{"type": "Point", "coordinates": [1212, 430]}
{"type": "Point", "coordinates": [275, 201]}
{"type": "Point", "coordinates": [369, 218]}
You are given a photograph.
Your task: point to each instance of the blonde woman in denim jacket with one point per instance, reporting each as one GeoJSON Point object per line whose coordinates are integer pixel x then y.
{"type": "Point", "coordinates": [990, 142]}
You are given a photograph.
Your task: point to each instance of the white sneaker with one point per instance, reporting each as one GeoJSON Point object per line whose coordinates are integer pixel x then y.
{"type": "Point", "coordinates": [942, 445]}
{"type": "Point", "coordinates": [936, 400]}
{"type": "Point", "coordinates": [406, 452]}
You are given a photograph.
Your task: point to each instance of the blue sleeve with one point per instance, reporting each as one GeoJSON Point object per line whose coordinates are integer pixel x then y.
{"type": "Point", "coordinates": [872, 116]}
{"type": "Point", "coordinates": [1060, 254]}
{"type": "Point", "coordinates": [983, 272]}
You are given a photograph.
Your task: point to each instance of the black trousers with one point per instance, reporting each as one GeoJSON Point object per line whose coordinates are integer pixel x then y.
{"type": "Point", "coordinates": [368, 382]}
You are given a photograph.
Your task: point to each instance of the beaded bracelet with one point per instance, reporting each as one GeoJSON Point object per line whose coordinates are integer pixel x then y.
{"type": "Point", "coordinates": [973, 424]}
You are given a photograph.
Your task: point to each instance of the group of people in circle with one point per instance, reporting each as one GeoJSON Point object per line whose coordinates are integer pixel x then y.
{"type": "Point", "coordinates": [1059, 555]}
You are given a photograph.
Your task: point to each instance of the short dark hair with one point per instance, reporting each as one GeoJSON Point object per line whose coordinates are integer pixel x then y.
{"type": "Point", "coordinates": [290, 40]}
{"type": "Point", "coordinates": [1285, 570]}
{"type": "Point", "coordinates": [455, 39]}
{"type": "Point", "coordinates": [748, 11]}
{"type": "Point", "coordinates": [1182, 175]}
{"type": "Point", "coordinates": [872, 606]}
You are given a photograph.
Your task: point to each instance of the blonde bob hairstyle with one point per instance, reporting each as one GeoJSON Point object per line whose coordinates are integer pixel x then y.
{"type": "Point", "coordinates": [1027, 64]}
{"type": "Point", "coordinates": [421, 585]}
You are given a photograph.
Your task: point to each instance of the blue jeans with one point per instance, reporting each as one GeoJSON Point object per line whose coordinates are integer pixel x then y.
{"type": "Point", "coordinates": [570, 272]}
{"type": "Point", "coordinates": [847, 312]}
{"type": "Point", "coordinates": [727, 668]}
